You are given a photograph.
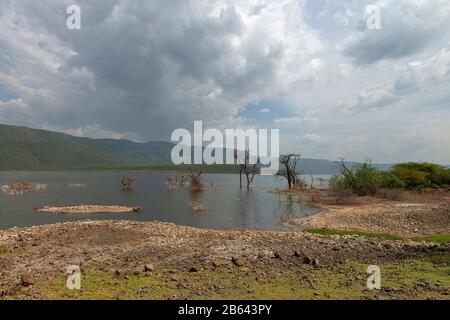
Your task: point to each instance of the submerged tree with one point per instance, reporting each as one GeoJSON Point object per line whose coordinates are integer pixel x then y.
{"type": "Point", "coordinates": [127, 182]}
{"type": "Point", "coordinates": [196, 183]}
{"type": "Point", "coordinates": [247, 167]}
{"type": "Point", "coordinates": [18, 188]}
{"type": "Point", "coordinates": [289, 161]}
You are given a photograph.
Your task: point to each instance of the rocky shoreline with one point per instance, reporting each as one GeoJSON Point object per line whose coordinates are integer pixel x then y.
{"type": "Point", "coordinates": [30, 258]}
{"type": "Point", "coordinates": [413, 215]}
{"type": "Point", "coordinates": [127, 247]}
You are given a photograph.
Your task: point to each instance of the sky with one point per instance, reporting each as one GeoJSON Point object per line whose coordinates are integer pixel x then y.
{"type": "Point", "coordinates": [139, 69]}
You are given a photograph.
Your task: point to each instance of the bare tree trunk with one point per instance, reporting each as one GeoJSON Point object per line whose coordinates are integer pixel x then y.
{"type": "Point", "coordinates": [246, 168]}
{"type": "Point", "coordinates": [240, 176]}
{"type": "Point", "coordinates": [290, 163]}
{"type": "Point", "coordinates": [288, 173]}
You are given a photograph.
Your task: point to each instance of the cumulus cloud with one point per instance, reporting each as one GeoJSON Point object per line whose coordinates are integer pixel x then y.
{"type": "Point", "coordinates": [316, 138]}
{"type": "Point", "coordinates": [139, 69]}
{"type": "Point", "coordinates": [418, 77]}
{"type": "Point", "coordinates": [13, 109]}
{"type": "Point", "coordinates": [407, 28]}
{"type": "Point", "coordinates": [293, 122]}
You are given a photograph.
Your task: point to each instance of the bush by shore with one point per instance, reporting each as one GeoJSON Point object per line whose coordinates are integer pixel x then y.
{"type": "Point", "coordinates": [365, 179]}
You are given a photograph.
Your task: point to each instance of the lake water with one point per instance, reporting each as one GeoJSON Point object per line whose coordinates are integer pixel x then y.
{"type": "Point", "coordinates": [227, 207]}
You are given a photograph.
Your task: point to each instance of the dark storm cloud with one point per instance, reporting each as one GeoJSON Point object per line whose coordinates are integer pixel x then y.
{"type": "Point", "coordinates": [143, 66]}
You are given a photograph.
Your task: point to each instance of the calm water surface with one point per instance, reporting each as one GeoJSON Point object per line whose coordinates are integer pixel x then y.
{"type": "Point", "coordinates": [228, 207]}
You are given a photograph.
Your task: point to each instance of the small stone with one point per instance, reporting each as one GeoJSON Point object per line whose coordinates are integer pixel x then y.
{"type": "Point", "coordinates": [137, 271]}
{"type": "Point", "coordinates": [27, 280]}
{"type": "Point", "coordinates": [194, 269]}
{"type": "Point", "coordinates": [237, 261]}
{"type": "Point", "coordinates": [307, 260]}
{"type": "Point", "coordinates": [149, 267]}
{"type": "Point", "coordinates": [277, 255]}
{"type": "Point", "coordinates": [298, 254]}
{"type": "Point", "coordinates": [219, 262]}
{"type": "Point", "coordinates": [10, 291]}
{"type": "Point", "coordinates": [121, 273]}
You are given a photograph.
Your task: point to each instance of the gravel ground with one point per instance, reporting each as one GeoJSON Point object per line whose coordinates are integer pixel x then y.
{"type": "Point", "coordinates": [112, 245]}
{"type": "Point", "coordinates": [413, 215]}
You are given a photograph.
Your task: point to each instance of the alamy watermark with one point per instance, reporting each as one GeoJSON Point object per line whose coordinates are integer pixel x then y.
{"type": "Point", "coordinates": [374, 280]}
{"type": "Point", "coordinates": [373, 13]}
{"type": "Point", "coordinates": [233, 147]}
{"type": "Point", "coordinates": [74, 278]}
{"type": "Point", "coordinates": [73, 21]}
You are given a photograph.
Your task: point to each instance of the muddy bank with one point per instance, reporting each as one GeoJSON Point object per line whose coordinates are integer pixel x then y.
{"type": "Point", "coordinates": [88, 209]}
{"type": "Point", "coordinates": [411, 215]}
{"type": "Point", "coordinates": [124, 245]}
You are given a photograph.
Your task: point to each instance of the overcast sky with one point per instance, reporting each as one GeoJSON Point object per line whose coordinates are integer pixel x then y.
{"type": "Point", "coordinates": [140, 69]}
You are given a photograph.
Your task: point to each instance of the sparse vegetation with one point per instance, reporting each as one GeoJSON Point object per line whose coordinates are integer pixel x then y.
{"type": "Point", "coordinates": [401, 280]}
{"type": "Point", "coordinates": [20, 187]}
{"type": "Point", "coordinates": [196, 182]}
{"type": "Point", "coordinates": [365, 179]}
{"type": "Point", "coordinates": [127, 182]}
{"type": "Point", "coordinates": [289, 162]}
{"type": "Point", "coordinates": [247, 167]}
{"type": "Point", "coordinates": [444, 238]}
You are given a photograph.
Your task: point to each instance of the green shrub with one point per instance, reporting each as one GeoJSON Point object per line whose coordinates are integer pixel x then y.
{"type": "Point", "coordinates": [363, 180]}
{"type": "Point", "coordinates": [391, 181]}
{"type": "Point", "coordinates": [422, 175]}
{"type": "Point", "coordinates": [337, 182]}
{"type": "Point", "coordinates": [367, 180]}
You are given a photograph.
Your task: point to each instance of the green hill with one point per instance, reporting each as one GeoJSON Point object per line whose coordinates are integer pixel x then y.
{"type": "Point", "coordinates": [31, 149]}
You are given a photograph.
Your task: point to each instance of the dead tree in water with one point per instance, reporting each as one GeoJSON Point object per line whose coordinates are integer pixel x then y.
{"type": "Point", "coordinates": [18, 188]}
{"type": "Point", "coordinates": [289, 161]}
{"type": "Point", "coordinates": [241, 167]}
{"type": "Point", "coordinates": [196, 183]}
{"type": "Point", "coordinates": [127, 182]}
{"type": "Point", "coordinates": [246, 167]}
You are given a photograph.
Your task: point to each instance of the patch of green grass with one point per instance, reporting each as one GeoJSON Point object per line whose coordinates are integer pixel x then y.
{"type": "Point", "coordinates": [440, 238]}
{"type": "Point", "coordinates": [346, 281]}
{"type": "Point", "coordinates": [5, 251]}
{"type": "Point", "coordinates": [327, 232]}
{"type": "Point", "coordinates": [442, 260]}
{"type": "Point", "coordinates": [445, 238]}
{"type": "Point", "coordinates": [208, 284]}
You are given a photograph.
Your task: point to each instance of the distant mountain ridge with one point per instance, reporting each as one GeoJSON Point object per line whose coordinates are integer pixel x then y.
{"type": "Point", "coordinates": [33, 149]}
{"type": "Point", "coordinates": [24, 148]}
